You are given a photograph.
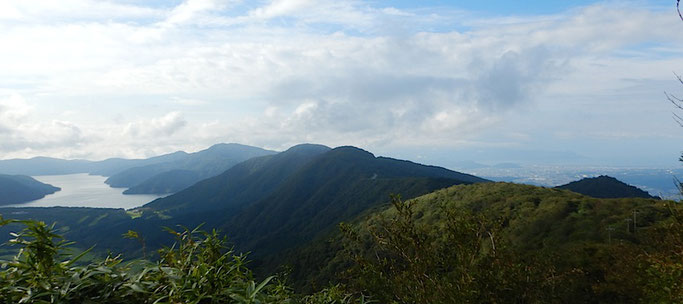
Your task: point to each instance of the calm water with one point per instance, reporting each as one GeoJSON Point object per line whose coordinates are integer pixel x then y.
{"type": "Point", "coordinates": [83, 190]}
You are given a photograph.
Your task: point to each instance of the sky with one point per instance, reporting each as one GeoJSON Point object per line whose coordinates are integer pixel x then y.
{"type": "Point", "coordinates": [437, 82]}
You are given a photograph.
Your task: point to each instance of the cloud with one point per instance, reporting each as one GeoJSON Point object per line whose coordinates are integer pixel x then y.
{"type": "Point", "coordinates": [13, 109]}
{"type": "Point", "coordinates": [18, 132]}
{"type": "Point", "coordinates": [189, 11]}
{"type": "Point", "coordinates": [515, 77]}
{"type": "Point", "coordinates": [353, 14]}
{"type": "Point", "coordinates": [164, 126]}
{"type": "Point", "coordinates": [189, 102]}
{"type": "Point", "coordinates": [278, 8]}
{"type": "Point", "coordinates": [276, 73]}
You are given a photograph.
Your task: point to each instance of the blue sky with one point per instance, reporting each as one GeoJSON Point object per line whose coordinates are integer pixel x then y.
{"type": "Point", "coordinates": [565, 82]}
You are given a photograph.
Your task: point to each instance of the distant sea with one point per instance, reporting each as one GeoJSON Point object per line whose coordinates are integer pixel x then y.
{"type": "Point", "coordinates": [83, 190]}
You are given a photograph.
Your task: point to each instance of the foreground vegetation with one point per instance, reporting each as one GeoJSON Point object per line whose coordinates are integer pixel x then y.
{"type": "Point", "coordinates": [492, 243]}
{"type": "Point", "coordinates": [197, 269]}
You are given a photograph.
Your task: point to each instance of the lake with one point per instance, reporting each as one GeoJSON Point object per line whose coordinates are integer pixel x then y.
{"type": "Point", "coordinates": [83, 190]}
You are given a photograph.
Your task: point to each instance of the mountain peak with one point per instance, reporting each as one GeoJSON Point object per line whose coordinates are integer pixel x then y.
{"type": "Point", "coordinates": [307, 148]}
{"type": "Point", "coordinates": [351, 150]}
{"type": "Point", "coordinates": [226, 145]}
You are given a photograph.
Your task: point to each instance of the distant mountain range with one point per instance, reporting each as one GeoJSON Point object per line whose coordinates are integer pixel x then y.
{"type": "Point", "coordinates": [15, 189]}
{"type": "Point", "coordinates": [173, 176]}
{"type": "Point", "coordinates": [605, 187]}
{"type": "Point", "coordinates": [55, 166]}
{"type": "Point", "coordinates": [163, 174]}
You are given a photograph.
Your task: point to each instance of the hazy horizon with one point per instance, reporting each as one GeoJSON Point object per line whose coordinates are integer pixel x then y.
{"type": "Point", "coordinates": [570, 83]}
{"type": "Point", "coordinates": [463, 160]}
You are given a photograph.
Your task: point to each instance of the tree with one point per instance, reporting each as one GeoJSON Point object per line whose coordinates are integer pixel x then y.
{"type": "Point", "coordinates": [678, 103]}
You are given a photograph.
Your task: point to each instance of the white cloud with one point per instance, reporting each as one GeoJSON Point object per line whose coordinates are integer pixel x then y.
{"type": "Point", "coordinates": [188, 11]}
{"type": "Point", "coordinates": [164, 126]}
{"type": "Point", "coordinates": [19, 133]}
{"type": "Point", "coordinates": [13, 109]}
{"type": "Point", "coordinates": [278, 8]}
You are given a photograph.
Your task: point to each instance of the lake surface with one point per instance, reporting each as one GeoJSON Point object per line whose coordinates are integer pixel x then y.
{"type": "Point", "coordinates": [83, 190]}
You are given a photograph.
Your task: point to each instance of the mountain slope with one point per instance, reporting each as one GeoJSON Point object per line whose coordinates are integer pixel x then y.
{"type": "Point", "coordinates": [15, 189]}
{"type": "Point", "coordinates": [166, 182]}
{"type": "Point", "coordinates": [567, 229]}
{"type": "Point", "coordinates": [155, 179]}
{"type": "Point", "coordinates": [240, 185]}
{"type": "Point", "coordinates": [334, 187]}
{"type": "Point", "coordinates": [604, 187]}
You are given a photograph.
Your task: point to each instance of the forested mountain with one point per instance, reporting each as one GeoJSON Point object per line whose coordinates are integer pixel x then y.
{"type": "Point", "coordinates": [173, 176]}
{"type": "Point", "coordinates": [15, 189]}
{"type": "Point", "coordinates": [333, 187]}
{"type": "Point", "coordinates": [604, 187]}
{"type": "Point", "coordinates": [162, 174]}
